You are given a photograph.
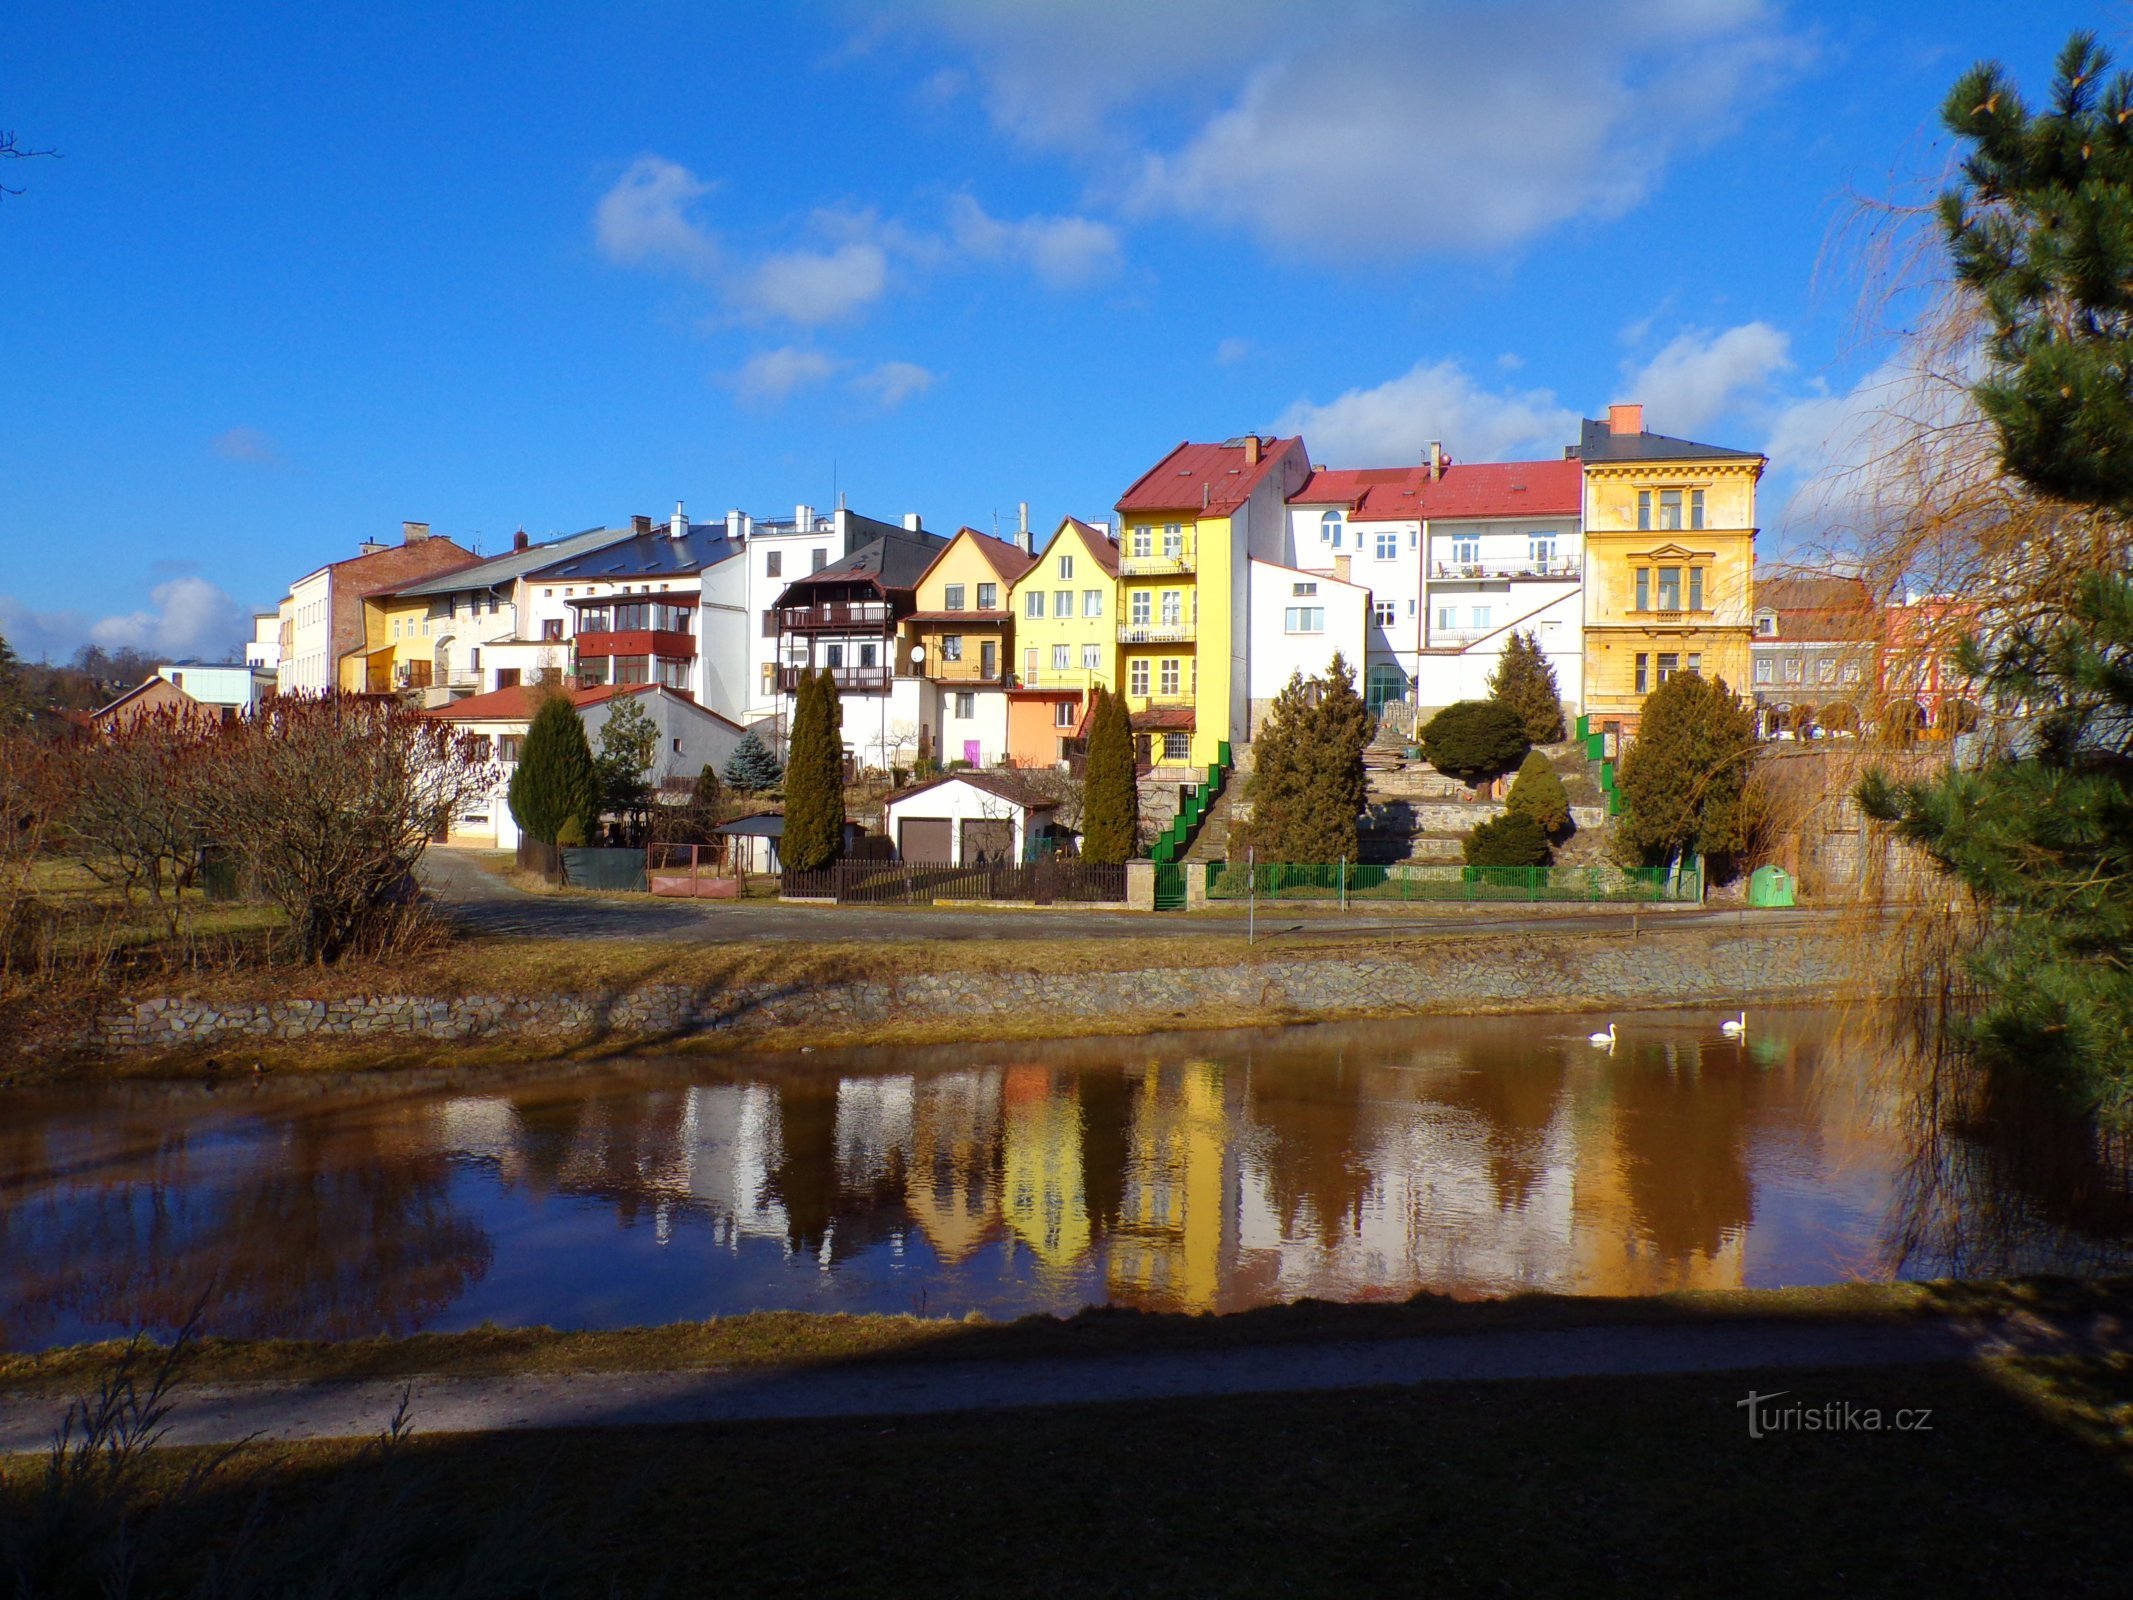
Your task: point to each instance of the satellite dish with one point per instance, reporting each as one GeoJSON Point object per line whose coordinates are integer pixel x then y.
{"type": "Point", "coordinates": [918, 654]}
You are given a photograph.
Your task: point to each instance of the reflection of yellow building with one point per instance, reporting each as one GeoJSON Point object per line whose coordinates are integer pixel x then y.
{"type": "Point", "coordinates": [1669, 563]}
{"type": "Point", "coordinates": [1040, 1179]}
{"type": "Point", "coordinates": [948, 1183]}
{"type": "Point", "coordinates": [1169, 1245]}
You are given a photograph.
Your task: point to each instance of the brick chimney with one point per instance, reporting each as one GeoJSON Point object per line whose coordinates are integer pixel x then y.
{"type": "Point", "coordinates": [640, 524]}
{"type": "Point", "coordinates": [1341, 567]}
{"type": "Point", "coordinates": [1251, 449]}
{"type": "Point", "coordinates": [414, 532]}
{"type": "Point", "coordinates": [1625, 419]}
{"type": "Point", "coordinates": [519, 541]}
{"type": "Point", "coordinates": [1436, 459]}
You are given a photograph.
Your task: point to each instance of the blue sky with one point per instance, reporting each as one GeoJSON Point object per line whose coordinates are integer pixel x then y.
{"type": "Point", "coordinates": [303, 272]}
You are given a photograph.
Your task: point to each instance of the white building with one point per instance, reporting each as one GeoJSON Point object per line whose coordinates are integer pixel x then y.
{"type": "Point", "coordinates": [230, 687]}
{"type": "Point", "coordinates": [1300, 620]}
{"type": "Point", "coordinates": [264, 648]}
{"type": "Point", "coordinates": [1384, 558]}
{"type": "Point", "coordinates": [967, 818]}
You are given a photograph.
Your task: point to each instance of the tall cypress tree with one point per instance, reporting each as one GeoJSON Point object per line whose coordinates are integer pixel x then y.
{"type": "Point", "coordinates": [557, 783]}
{"type": "Point", "coordinates": [1111, 796]}
{"type": "Point", "coordinates": [1336, 790]}
{"type": "Point", "coordinates": [814, 778]}
{"type": "Point", "coordinates": [1524, 681]}
{"type": "Point", "coordinates": [1280, 774]}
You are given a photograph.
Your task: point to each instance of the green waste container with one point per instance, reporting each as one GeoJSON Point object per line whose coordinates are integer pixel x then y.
{"type": "Point", "coordinates": [1770, 886]}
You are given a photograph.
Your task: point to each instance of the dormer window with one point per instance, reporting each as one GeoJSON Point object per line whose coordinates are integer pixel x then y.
{"type": "Point", "coordinates": [1766, 624]}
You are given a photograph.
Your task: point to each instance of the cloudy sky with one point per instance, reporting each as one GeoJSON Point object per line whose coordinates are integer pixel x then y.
{"type": "Point", "coordinates": [302, 272]}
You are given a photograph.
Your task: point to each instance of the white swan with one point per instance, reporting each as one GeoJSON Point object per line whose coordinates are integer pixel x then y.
{"type": "Point", "coordinates": [1606, 1040]}
{"type": "Point", "coordinates": [1736, 1029]}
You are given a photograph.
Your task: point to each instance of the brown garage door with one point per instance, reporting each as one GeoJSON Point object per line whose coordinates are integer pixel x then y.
{"type": "Point", "coordinates": [929, 841]}
{"type": "Point", "coordinates": [988, 841]}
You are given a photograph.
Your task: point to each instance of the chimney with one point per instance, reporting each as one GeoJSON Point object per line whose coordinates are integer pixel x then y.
{"type": "Point", "coordinates": [913, 522]}
{"type": "Point", "coordinates": [519, 541]}
{"type": "Point", "coordinates": [734, 528]}
{"type": "Point", "coordinates": [1251, 449]}
{"type": "Point", "coordinates": [1022, 527]}
{"type": "Point", "coordinates": [803, 518]}
{"type": "Point", "coordinates": [678, 524]}
{"type": "Point", "coordinates": [1340, 567]}
{"type": "Point", "coordinates": [414, 532]}
{"type": "Point", "coordinates": [1625, 419]}
{"type": "Point", "coordinates": [640, 524]}
{"type": "Point", "coordinates": [1436, 460]}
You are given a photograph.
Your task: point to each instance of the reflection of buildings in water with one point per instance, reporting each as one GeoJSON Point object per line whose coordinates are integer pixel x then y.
{"type": "Point", "coordinates": [1041, 1183]}
{"type": "Point", "coordinates": [1177, 1206]}
{"type": "Point", "coordinates": [951, 1187]}
{"type": "Point", "coordinates": [733, 1143]}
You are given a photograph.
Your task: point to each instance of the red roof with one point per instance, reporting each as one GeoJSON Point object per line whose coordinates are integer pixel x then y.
{"type": "Point", "coordinates": [1210, 478]}
{"type": "Point", "coordinates": [1347, 486]}
{"type": "Point", "coordinates": [1102, 548]}
{"type": "Point", "coordinates": [1478, 489]}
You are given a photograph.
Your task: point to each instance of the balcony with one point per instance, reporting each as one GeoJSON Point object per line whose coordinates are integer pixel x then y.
{"type": "Point", "coordinates": [662, 643]}
{"type": "Point", "coordinates": [1670, 618]}
{"type": "Point", "coordinates": [868, 680]}
{"type": "Point", "coordinates": [964, 671]}
{"type": "Point", "coordinates": [1155, 633]}
{"type": "Point", "coordinates": [836, 614]}
{"type": "Point", "coordinates": [1559, 568]}
{"type": "Point", "coordinates": [1155, 564]}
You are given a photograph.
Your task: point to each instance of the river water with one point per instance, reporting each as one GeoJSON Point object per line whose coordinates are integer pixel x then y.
{"type": "Point", "coordinates": [1476, 1156]}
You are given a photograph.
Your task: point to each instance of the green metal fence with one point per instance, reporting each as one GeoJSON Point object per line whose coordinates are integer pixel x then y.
{"type": "Point", "coordinates": [1410, 882]}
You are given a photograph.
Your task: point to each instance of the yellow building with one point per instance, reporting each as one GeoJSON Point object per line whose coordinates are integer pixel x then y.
{"type": "Point", "coordinates": [959, 635]}
{"type": "Point", "coordinates": [1669, 563]}
{"type": "Point", "coordinates": [1065, 643]}
{"type": "Point", "coordinates": [1188, 531]}
{"type": "Point", "coordinates": [399, 649]}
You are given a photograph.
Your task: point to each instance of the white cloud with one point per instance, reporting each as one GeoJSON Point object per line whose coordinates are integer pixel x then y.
{"type": "Point", "coordinates": [775, 375]}
{"type": "Point", "coordinates": [1064, 252]}
{"type": "Point", "coordinates": [1459, 127]}
{"type": "Point", "coordinates": [185, 617]}
{"type": "Point", "coordinates": [813, 287]}
{"type": "Point", "coordinates": [1699, 377]}
{"type": "Point", "coordinates": [644, 219]}
{"type": "Point", "coordinates": [248, 445]}
{"type": "Point", "coordinates": [893, 382]}
{"type": "Point", "coordinates": [1232, 350]}
{"type": "Point", "coordinates": [1394, 422]}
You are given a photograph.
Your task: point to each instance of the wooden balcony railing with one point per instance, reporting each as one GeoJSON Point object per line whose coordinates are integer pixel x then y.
{"type": "Point", "coordinates": [836, 614]}
{"type": "Point", "coordinates": [874, 679]}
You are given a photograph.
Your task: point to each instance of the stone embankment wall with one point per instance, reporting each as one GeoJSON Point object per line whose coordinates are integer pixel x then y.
{"type": "Point", "coordinates": [1566, 972]}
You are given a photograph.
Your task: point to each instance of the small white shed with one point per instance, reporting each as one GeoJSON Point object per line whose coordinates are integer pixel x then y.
{"type": "Point", "coordinates": [963, 819]}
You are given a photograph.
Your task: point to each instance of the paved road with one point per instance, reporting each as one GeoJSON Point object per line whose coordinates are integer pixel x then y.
{"type": "Point", "coordinates": [278, 1412]}
{"type": "Point", "coordinates": [482, 902]}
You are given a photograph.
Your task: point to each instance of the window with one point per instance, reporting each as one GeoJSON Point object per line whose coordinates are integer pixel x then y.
{"type": "Point", "coordinates": [1173, 608]}
{"type": "Point", "coordinates": [1329, 529]}
{"type": "Point", "coordinates": [966, 706]}
{"type": "Point", "coordinates": [1137, 678]}
{"type": "Point", "coordinates": [1466, 550]}
{"type": "Point", "coordinates": [1447, 617]}
{"type": "Point", "coordinates": [833, 655]}
{"type": "Point", "coordinates": [1063, 714]}
{"type": "Point", "coordinates": [1302, 589]}
{"type": "Point", "coordinates": [1795, 669]}
{"type": "Point", "coordinates": [1766, 624]}
{"type": "Point", "coordinates": [1669, 664]}
{"type": "Point", "coordinates": [1825, 670]}
{"type": "Point", "coordinates": [1669, 588]}
{"type": "Point", "coordinates": [1062, 658]}
{"type": "Point", "coordinates": [1384, 613]}
{"type": "Point", "coordinates": [988, 597]}
{"type": "Point", "coordinates": [1669, 510]}
{"type": "Point", "coordinates": [552, 628]}
{"type": "Point", "coordinates": [1540, 550]}
{"type": "Point", "coordinates": [774, 564]}
{"type": "Point", "coordinates": [1029, 664]}
{"type": "Point", "coordinates": [1695, 508]}
{"type": "Point", "coordinates": [1763, 672]}
{"type": "Point", "coordinates": [1644, 521]}
{"type": "Point", "coordinates": [1388, 544]}
{"type": "Point", "coordinates": [819, 557]}
{"type": "Point", "coordinates": [952, 597]}
{"type": "Point", "coordinates": [1062, 602]}
{"type": "Point", "coordinates": [1173, 542]}
{"type": "Point", "coordinates": [1142, 608]}
{"type": "Point", "coordinates": [1167, 678]}
{"type": "Point", "coordinates": [1695, 664]}
{"type": "Point", "coordinates": [1851, 672]}
{"type": "Point", "coordinates": [1144, 540]}
{"type": "Point", "coordinates": [1033, 605]}
{"type": "Point", "coordinates": [508, 746]}
{"type": "Point", "coordinates": [1177, 746]}
{"type": "Point", "coordinates": [1481, 615]}
{"type": "Point", "coordinates": [951, 647]}
{"type": "Point", "coordinates": [870, 653]}
{"type": "Point", "coordinates": [481, 746]}
{"type": "Point", "coordinates": [1644, 589]}
{"type": "Point", "coordinates": [1092, 658]}
{"type": "Point", "coordinates": [1066, 569]}
{"type": "Point", "coordinates": [633, 669]}
{"type": "Point", "coordinates": [1092, 602]}
{"type": "Point", "coordinates": [676, 745]}
{"type": "Point", "coordinates": [1385, 683]}
{"type": "Point", "coordinates": [1304, 619]}
{"type": "Point", "coordinates": [1644, 663]}
{"type": "Point", "coordinates": [1695, 588]}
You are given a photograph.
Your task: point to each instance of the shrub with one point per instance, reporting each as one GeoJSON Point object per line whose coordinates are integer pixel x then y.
{"type": "Point", "coordinates": [557, 780]}
{"type": "Point", "coordinates": [1474, 740]}
{"type": "Point", "coordinates": [1537, 792]}
{"type": "Point", "coordinates": [1511, 840]}
{"type": "Point", "coordinates": [1525, 682]}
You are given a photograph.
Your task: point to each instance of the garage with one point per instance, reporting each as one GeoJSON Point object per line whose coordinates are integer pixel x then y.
{"type": "Point", "coordinates": [929, 841]}
{"type": "Point", "coordinates": [987, 841]}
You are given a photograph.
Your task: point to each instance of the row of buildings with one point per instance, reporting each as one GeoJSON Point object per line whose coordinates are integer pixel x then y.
{"type": "Point", "coordinates": [1225, 567]}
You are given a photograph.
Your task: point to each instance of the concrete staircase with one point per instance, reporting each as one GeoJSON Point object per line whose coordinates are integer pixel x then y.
{"type": "Point", "coordinates": [1210, 842]}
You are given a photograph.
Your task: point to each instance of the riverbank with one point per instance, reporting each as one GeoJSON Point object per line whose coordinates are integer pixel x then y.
{"type": "Point", "coordinates": [509, 998]}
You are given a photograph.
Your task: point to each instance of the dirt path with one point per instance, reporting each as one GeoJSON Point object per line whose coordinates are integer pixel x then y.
{"type": "Point", "coordinates": [268, 1411]}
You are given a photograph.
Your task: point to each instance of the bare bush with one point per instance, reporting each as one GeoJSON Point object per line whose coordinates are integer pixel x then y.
{"type": "Point", "coordinates": [135, 807]}
{"type": "Point", "coordinates": [33, 787]}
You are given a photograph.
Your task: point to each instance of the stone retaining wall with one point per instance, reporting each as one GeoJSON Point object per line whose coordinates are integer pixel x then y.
{"type": "Point", "coordinates": [1569, 971]}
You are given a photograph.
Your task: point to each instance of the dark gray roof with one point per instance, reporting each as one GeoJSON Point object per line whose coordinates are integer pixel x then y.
{"type": "Point", "coordinates": [657, 554]}
{"type": "Point", "coordinates": [1597, 442]}
{"type": "Point", "coordinates": [515, 563]}
{"type": "Point", "coordinates": [891, 561]}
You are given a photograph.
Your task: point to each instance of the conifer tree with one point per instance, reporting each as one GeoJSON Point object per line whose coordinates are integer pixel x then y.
{"type": "Point", "coordinates": [1537, 792]}
{"type": "Point", "coordinates": [1511, 840]}
{"type": "Point", "coordinates": [1525, 681]}
{"type": "Point", "coordinates": [556, 787]}
{"type": "Point", "coordinates": [1280, 773]}
{"type": "Point", "coordinates": [629, 742]}
{"type": "Point", "coordinates": [14, 697]}
{"type": "Point", "coordinates": [753, 767]}
{"type": "Point", "coordinates": [1335, 790]}
{"type": "Point", "coordinates": [814, 777]}
{"type": "Point", "coordinates": [1110, 806]}
{"type": "Point", "coordinates": [1474, 739]}
{"type": "Point", "coordinates": [1682, 779]}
